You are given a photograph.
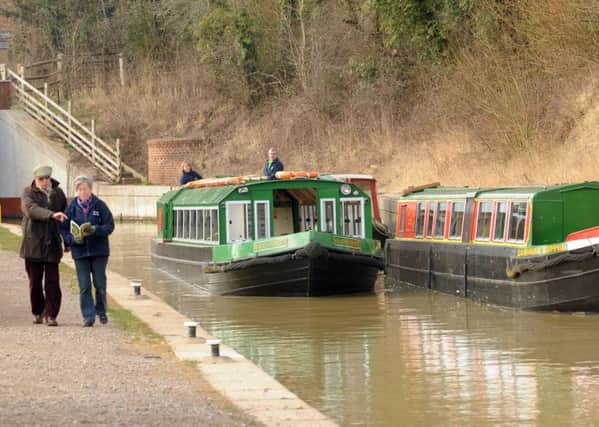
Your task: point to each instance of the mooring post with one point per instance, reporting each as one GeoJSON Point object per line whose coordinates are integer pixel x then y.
{"type": "Point", "coordinates": [214, 347]}
{"type": "Point", "coordinates": [191, 328]}
{"type": "Point", "coordinates": [136, 285]}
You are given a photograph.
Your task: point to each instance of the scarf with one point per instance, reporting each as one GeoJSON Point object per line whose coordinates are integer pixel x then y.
{"type": "Point", "coordinates": [84, 205]}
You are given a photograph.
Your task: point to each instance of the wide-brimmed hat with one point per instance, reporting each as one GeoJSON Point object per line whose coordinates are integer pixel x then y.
{"type": "Point", "coordinates": [42, 170]}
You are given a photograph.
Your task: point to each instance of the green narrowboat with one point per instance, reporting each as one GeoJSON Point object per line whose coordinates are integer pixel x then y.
{"type": "Point", "coordinates": [522, 247]}
{"type": "Point", "coordinates": [301, 236]}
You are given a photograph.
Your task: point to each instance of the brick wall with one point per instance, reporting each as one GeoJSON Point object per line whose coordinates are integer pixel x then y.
{"type": "Point", "coordinates": [165, 157]}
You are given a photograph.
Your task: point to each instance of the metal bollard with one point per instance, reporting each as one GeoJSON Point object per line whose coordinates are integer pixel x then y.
{"type": "Point", "coordinates": [136, 285]}
{"type": "Point", "coordinates": [214, 346]}
{"type": "Point", "coordinates": [191, 328]}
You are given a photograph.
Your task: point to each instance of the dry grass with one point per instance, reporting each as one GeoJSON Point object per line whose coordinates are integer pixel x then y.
{"type": "Point", "coordinates": [503, 112]}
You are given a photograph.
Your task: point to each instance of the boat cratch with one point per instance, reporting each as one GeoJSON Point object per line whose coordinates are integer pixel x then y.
{"type": "Point", "coordinates": [300, 235]}
{"type": "Point", "coordinates": [522, 247]}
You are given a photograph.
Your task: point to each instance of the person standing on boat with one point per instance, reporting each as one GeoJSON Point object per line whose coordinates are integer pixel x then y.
{"type": "Point", "coordinates": [88, 239]}
{"type": "Point", "coordinates": [188, 174]}
{"type": "Point", "coordinates": [272, 165]}
{"type": "Point", "coordinates": [43, 204]}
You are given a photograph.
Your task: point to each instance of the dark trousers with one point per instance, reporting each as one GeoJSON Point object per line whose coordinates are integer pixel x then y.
{"type": "Point", "coordinates": [50, 302]}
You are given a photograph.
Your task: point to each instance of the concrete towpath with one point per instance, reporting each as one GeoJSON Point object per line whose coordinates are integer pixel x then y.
{"type": "Point", "coordinates": [100, 375]}
{"type": "Point", "coordinates": [100, 371]}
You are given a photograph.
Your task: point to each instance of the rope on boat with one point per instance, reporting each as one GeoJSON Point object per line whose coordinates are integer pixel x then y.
{"type": "Point", "coordinates": [513, 271]}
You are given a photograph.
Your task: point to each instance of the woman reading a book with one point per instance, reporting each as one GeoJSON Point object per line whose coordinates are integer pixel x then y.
{"type": "Point", "coordinates": [87, 236]}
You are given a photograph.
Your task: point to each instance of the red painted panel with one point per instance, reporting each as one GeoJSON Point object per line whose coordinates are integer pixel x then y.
{"type": "Point", "coordinates": [11, 207]}
{"type": "Point", "coordinates": [411, 212]}
{"type": "Point", "coordinates": [407, 213]}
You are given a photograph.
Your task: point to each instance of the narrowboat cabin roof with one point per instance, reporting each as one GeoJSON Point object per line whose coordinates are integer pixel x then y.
{"type": "Point", "coordinates": [516, 192]}
{"type": "Point", "coordinates": [211, 196]}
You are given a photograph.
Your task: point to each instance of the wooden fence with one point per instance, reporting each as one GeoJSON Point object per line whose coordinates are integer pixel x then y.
{"type": "Point", "coordinates": [104, 156]}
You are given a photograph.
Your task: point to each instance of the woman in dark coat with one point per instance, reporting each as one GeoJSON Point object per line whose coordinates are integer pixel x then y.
{"type": "Point", "coordinates": [89, 247]}
{"type": "Point", "coordinates": [43, 203]}
{"type": "Point", "coordinates": [188, 174]}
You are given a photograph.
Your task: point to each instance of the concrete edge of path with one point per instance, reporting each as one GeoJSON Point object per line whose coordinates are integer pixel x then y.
{"type": "Point", "coordinates": [242, 382]}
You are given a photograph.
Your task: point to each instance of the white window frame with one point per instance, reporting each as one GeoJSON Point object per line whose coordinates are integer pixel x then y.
{"type": "Point", "coordinates": [248, 230]}
{"type": "Point", "coordinates": [323, 225]}
{"type": "Point", "coordinates": [266, 204]}
{"type": "Point", "coordinates": [488, 239]}
{"type": "Point", "coordinates": [509, 221]}
{"type": "Point", "coordinates": [362, 234]}
{"type": "Point", "coordinates": [194, 209]}
{"type": "Point", "coordinates": [451, 212]}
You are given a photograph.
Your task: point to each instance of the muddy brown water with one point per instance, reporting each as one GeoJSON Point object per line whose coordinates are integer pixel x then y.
{"type": "Point", "coordinates": [413, 358]}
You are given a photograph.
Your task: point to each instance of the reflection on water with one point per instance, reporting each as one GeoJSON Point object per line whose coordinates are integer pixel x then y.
{"type": "Point", "coordinates": [410, 359]}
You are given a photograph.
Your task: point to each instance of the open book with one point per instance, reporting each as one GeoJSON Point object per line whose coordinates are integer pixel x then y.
{"type": "Point", "coordinates": [76, 231]}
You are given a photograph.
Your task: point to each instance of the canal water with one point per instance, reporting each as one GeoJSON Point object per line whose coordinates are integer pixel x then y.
{"type": "Point", "coordinates": [414, 358]}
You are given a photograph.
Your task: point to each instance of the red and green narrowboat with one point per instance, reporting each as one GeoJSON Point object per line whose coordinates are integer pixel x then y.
{"type": "Point", "coordinates": [296, 236]}
{"type": "Point", "coordinates": [522, 247]}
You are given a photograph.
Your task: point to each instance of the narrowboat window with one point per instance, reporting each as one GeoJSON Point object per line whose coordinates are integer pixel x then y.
{"type": "Point", "coordinates": [420, 219]}
{"type": "Point", "coordinates": [483, 225]}
{"type": "Point", "coordinates": [206, 225]}
{"type": "Point", "coordinates": [185, 225]}
{"type": "Point", "coordinates": [200, 225]}
{"type": "Point", "coordinates": [500, 217]}
{"type": "Point", "coordinates": [178, 228]}
{"type": "Point", "coordinates": [239, 221]}
{"type": "Point", "coordinates": [353, 217]}
{"type": "Point", "coordinates": [192, 225]}
{"type": "Point", "coordinates": [456, 220]}
{"type": "Point", "coordinates": [327, 213]}
{"type": "Point", "coordinates": [517, 221]}
{"type": "Point", "coordinates": [440, 224]}
{"type": "Point", "coordinates": [214, 225]}
{"type": "Point", "coordinates": [307, 217]}
{"type": "Point", "coordinates": [262, 220]}
{"type": "Point", "coordinates": [431, 216]}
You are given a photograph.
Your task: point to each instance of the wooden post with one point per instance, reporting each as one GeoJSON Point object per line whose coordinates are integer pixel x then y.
{"type": "Point", "coordinates": [46, 115]}
{"type": "Point", "coordinates": [22, 74]}
{"type": "Point", "coordinates": [59, 74]}
{"type": "Point", "coordinates": [118, 159]}
{"type": "Point", "coordinates": [122, 70]}
{"type": "Point", "coordinates": [69, 122]}
{"type": "Point", "coordinates": [94, 142]}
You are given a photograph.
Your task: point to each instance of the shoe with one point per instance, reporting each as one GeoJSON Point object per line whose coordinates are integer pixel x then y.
{"type": "Point", "coordinates": [88, 323]}
{"type": "Point", "coordinates": [52, 321]}
{"type": "Point", "coordinates": [103, 319]}
{"type": "Point", "coordinates": [38, 319]}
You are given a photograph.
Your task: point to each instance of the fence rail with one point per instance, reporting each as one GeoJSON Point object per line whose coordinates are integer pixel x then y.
{"type": "Point", "coordinates": [104, 156]}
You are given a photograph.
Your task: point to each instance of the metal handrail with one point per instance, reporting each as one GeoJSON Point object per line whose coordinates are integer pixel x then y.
{"type": "Point", "coordinates": [103, 156]}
